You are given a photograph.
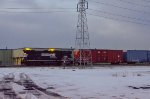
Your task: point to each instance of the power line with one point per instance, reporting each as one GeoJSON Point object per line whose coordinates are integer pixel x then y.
{"type": "Point", "coordinates": [117, 19]}
{"type": "Point", "coordinates": [62, 10]}
{"type": "Point", "coordinates": [146, 0]}
{"type": "Point", "coordinates": [118, 15]}
{"type": "Point", "coordinates": [125, 8]}
{"type": "Point", "coordinates": [19, 8]}
{"type": "Point", "coordinates": [35, 11]}
{"type": "Point", "coordinates": [136, 4]}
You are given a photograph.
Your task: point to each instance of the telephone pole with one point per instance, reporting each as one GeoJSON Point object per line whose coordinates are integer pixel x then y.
{"type": "Point", "coordinates": [82, 35]}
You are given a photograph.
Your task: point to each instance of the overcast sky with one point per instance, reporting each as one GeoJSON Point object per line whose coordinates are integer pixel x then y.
{"type": "Point", "coordinates": [58, 29]}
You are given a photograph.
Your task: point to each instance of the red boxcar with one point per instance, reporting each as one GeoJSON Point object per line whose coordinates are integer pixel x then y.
{"type": "Point", "coordinates": [99, 56]}
{"type": "Point", "coordinates": [94, 56]}
{"type": "Point", "coordinates": [115, 56]}
{"type": "Point", "coordinates": [107, 56]}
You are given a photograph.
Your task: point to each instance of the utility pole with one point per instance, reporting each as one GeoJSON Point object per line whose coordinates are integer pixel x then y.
{"type": "Point", "coordinates": [82, 35]}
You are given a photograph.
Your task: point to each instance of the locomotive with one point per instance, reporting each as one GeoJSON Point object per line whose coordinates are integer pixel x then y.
{"type": "Point", "coordinates": [46, 57]}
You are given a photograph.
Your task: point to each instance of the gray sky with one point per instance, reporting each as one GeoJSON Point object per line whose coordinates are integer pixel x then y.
{"type": "Point", "coordinates": [58, 29]}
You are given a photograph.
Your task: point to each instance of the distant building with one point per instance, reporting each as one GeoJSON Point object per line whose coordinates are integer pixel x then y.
{"type": "Point", "coordinates": [6, 57]}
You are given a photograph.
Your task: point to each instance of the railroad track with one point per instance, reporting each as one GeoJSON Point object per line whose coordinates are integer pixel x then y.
{"type": "Point", "coordinates": [24, 88]}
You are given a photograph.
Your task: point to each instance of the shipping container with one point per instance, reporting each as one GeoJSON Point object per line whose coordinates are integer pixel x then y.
{"type": "Point", "coordinates": [100, 55]}
{"type": "Point", "coordinates": [115, 56]}
{"type": "Point", "coordinates": [94, 56]}
{"type": "Point", "coordinates": [107, 56]}
{"type": "Point", "coordinates": [137, 56]}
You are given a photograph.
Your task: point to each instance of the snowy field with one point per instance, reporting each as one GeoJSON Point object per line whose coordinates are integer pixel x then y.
{"type": "Point", "coordinates": [95, 83]}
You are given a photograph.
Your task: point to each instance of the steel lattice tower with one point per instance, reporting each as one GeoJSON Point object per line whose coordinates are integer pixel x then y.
{"type": "Point", "coordinates": [82, 34]}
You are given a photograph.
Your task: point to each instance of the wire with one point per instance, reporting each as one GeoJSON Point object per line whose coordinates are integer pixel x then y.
{"type": "Point", "coordinates": [18, 8]}
{"type": "Point", "coordinates": [34, 11]}
{"type": "Point", "coordinates": [117, 19]}
{"type": "Point", "coordinates": [107, 4]}
{"type": "Point", "coordinates": [136, 4]}
{"type": "Point", "coordinates": [53, 10]}
{"type": "Point", "coordinates": [146, 0]}
{"type": "Point", "coordinates": [118, 15]}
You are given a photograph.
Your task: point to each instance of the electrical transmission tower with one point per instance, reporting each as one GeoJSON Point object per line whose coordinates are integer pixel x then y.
{"type": "Point", "coordinates": [82, 35]}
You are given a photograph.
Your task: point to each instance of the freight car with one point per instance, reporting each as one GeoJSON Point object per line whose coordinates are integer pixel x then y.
{"type": "Point", "coordinates": [137, 56]}
{"type": "Point", "coordinates": [46, 57]}
{"type": "Point", "coordinates": [103, 56]}
{"type": "Point", "coordinates": [107, 56]}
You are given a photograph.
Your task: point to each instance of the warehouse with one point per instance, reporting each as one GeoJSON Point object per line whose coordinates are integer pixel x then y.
{"type": "Point", "coordinates": [18, 56]}
{"type": "Point", "coordinates": [6, 57]}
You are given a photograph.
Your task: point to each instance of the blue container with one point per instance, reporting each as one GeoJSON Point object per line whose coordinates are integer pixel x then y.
{"type": "Point", "coordinates": [138, 56]}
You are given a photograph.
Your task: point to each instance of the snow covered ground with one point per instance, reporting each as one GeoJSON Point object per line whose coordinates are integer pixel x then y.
{"type": "Point", "coordinates": [95, 83]}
